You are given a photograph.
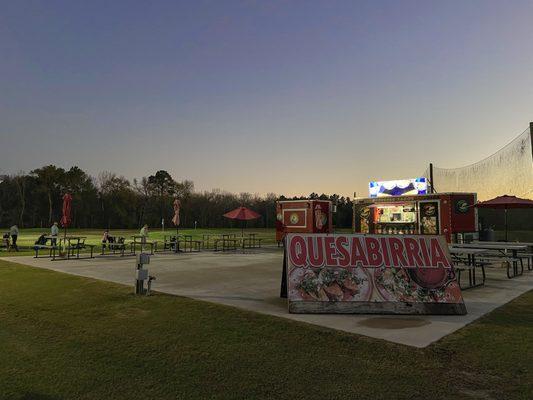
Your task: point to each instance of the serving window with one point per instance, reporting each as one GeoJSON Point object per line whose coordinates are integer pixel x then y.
{"type": "Point", "coordinates": [398, 218]}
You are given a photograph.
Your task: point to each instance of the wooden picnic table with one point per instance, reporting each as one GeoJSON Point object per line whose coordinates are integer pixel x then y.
{"type": "Point", "coordinates": [502, 248]}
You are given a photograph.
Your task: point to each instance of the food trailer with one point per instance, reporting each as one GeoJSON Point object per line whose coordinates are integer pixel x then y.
{"type": "Point", "coordinates": [303, 216]}
{"type": "Point", "coordinates": [448, 214]}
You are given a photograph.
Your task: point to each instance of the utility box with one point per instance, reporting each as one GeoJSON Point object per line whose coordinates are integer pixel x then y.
{"type": "Point", "coordinates": [142, 274]}
{"type": "Point", "coordinates": [303, 216]}
{"type": "Point", "coordinates": [143, 258]}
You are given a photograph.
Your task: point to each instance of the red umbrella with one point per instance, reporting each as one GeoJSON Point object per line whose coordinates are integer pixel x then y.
{"type": "Point", "coordinates": [242, 214]}
{"type": "Point", "coordinates": [506, 202]}
{"type": "Point", "coordinates": [67, 207]}
{"type": "Point", "coordinates": [65, 218]}
{"type": "Point", "coordinates": [176, 218]}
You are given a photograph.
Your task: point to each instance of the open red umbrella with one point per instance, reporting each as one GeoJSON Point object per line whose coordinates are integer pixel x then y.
{"type": "Point", "coordinates": [242, 214]}
{"type": "Point", "coordinates": [506, 202]}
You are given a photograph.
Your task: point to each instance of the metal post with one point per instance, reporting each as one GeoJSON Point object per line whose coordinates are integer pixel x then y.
{"type": "Point", "coordinates": [141, 274]}
{"type": "Point", "coordinates": [139, 283]}
{"type": "Point", "coordinates": [506, 225]}
{"type": "Point", "coordinates": [283, 289]}
{"type": "Point", "coordinates": [432, 190]}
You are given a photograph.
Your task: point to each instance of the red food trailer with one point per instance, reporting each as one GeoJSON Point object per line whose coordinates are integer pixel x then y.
{"type": "Point", "coordinates": [448, 214]}
{"type": "Point", "coordinates": [303, 216]}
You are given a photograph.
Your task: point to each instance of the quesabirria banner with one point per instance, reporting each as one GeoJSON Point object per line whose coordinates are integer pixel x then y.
{"type": "Point", "coordinates": [399, 274]}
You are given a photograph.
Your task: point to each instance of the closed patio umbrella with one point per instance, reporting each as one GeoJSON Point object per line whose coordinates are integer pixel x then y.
{"type": "Point", "coordinates": [506, 202]}
{"type": "Point", "coordinates": [66, 215]}
{"type": "Point", "coordinates": [242, 214]}
{"type": "Point", "coordinates": [67, 209]}
{"type": "Point", "coordinates": [176, 220]}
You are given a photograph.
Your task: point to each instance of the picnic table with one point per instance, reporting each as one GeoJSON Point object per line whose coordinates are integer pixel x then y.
{"type": "Point", "coordinates": [529, 253]}
{"type": "Point", "coordinates": [501, 249]}
{"type": "Point", "coordinates": [211, 238]}
{"type": "Point", "coordinates": [73, 246]}
{"type": "Point", "coordinates": [229, 242]}
{"type": "Point", "coordinates": [172, 242]}
{"type": "Point", "coordinates": [250, 241]}
{"type": "Point", "coordinates": [118, 244]}
{"type": "Point", "coordinates": [467, 257]}
{"type": "Point", "coordinates": [50, 244]}
{"type": "Point", "coordinates": [189, 243]}
{"type": "Point", "coordinates": [142, 242]}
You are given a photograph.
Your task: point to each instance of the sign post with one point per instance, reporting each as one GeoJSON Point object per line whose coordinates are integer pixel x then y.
{"type": "Point", "coordinates": [374, 274]}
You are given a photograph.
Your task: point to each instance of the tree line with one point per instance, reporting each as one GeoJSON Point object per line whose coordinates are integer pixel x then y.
{"type": "Point", "coordinates": [34, 199]}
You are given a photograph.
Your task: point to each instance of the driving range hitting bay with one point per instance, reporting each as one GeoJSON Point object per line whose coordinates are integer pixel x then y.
{"type": "Point", "coordinates": [382, 274]}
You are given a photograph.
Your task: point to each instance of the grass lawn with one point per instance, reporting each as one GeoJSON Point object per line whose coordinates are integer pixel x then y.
{"type": "Point", "coordinates": [68, 337]}
{"type": "Point", "coordinates": [28, 237]}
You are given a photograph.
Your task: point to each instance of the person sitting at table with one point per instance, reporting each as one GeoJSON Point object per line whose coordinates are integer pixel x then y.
{"type": "Point", "coordinates": [5, 240]}
{"type": "Point", "coordinates": [105, 238]}
{"type": "Point", "coordinates": [41, 241]}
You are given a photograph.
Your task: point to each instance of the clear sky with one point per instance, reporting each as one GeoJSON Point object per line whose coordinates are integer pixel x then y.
{"type": "Point", "coordinates": [263, 96]}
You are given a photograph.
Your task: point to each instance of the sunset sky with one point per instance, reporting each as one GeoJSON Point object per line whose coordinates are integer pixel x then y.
{"type": "Point", "coordinates": [289, 97]}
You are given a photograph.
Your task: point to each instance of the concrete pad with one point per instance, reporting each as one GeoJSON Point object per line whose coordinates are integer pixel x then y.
{"type": "Point", "coordinates": [251, 281]}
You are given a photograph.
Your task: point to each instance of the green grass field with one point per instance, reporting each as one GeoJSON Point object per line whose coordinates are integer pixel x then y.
{"type": "Point", "coordinates": [68, 337]}
{"type": "Point", "coordinates": [94, 236]}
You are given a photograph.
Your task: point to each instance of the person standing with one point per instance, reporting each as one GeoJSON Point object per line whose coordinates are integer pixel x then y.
{"type": "Point", "coordinates": [144, 232]}
{"type": "Point", "coordinates": [54, 232]}
{"type": "Point", "coordinates": [14, 233]}
{"type": "Point", "coordinates": [144, 235]}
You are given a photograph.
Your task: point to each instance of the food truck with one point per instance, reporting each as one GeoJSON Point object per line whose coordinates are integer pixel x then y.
{"type": "Point", "coordinates": [448, 214]}
{"type": "Point", "coordinates": [303, 216]}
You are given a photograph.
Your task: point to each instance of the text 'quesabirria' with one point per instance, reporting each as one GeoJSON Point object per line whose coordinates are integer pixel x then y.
{"type": "Point", "coordinates": [368, 251]}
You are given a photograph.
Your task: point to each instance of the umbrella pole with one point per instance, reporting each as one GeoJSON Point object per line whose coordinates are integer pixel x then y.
{"type": "Point", "coordinates": [65, 239]}
{"type": "Point", "coordinates": [506, 224]}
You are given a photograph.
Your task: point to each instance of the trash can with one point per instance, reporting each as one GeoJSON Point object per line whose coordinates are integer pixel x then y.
{"type": "Point", "coordinates": [487, 235]}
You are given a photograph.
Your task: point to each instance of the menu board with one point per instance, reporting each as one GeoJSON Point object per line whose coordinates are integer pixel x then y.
{"type": "Point", "coordinates": [383, 274]}
{"type": "Point", "coordinates": [429, 217]}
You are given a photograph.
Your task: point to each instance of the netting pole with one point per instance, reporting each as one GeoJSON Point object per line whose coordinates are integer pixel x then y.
{"type": "Point", "coordinates": [531, 137]}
